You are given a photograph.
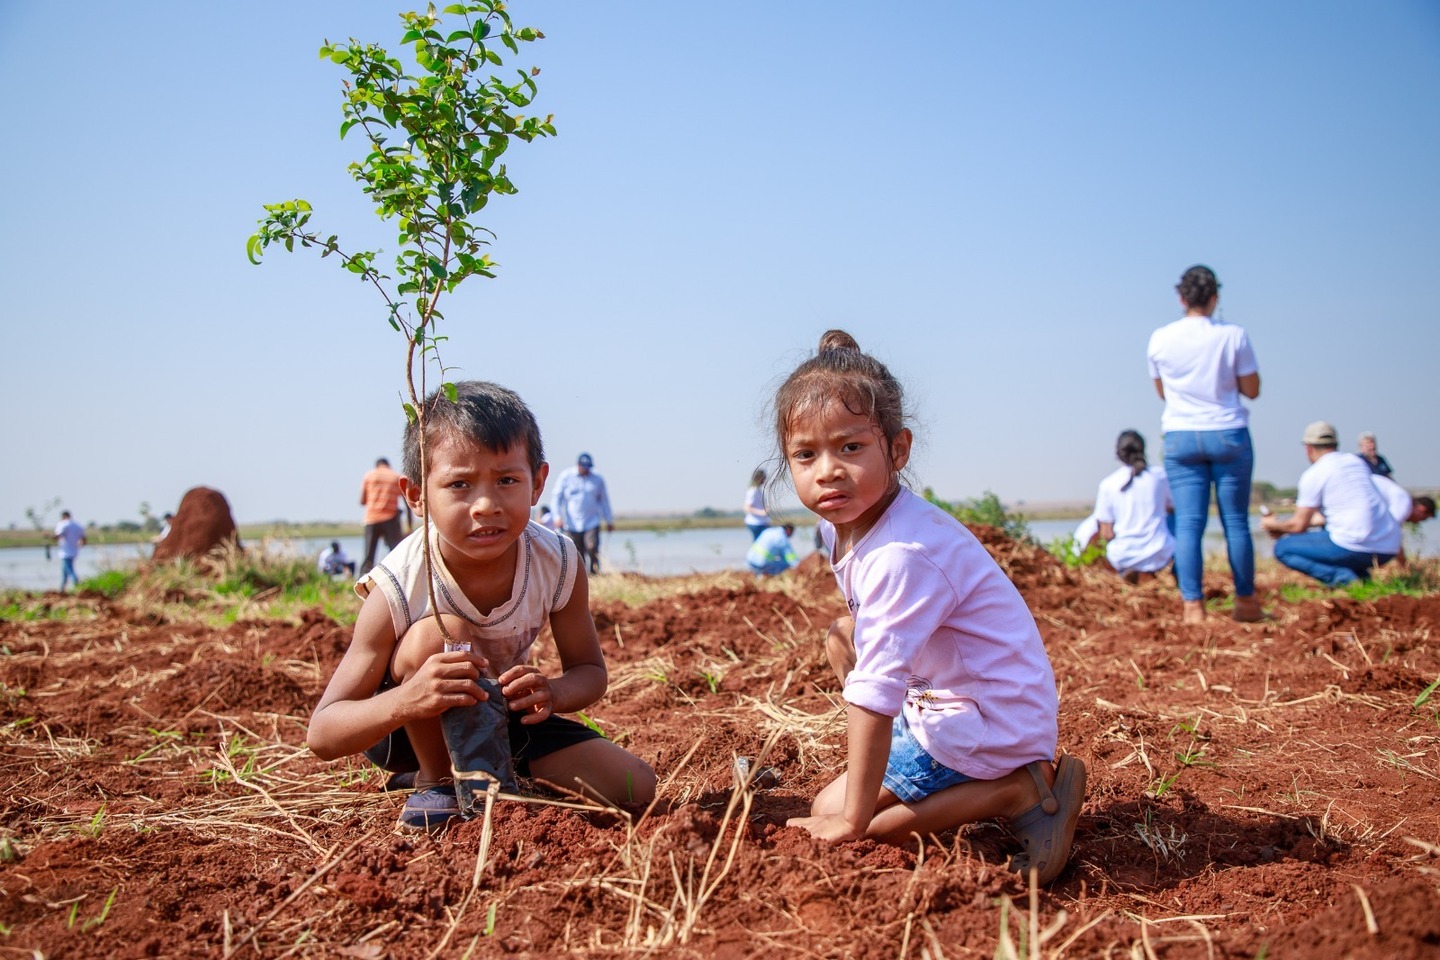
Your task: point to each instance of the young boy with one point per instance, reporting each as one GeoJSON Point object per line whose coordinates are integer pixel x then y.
{"type": "Point", "coordinates": [498, 579]}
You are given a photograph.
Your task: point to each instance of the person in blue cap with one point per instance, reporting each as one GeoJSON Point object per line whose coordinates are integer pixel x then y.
{"type": "Point", "coordinates": [580, 505]}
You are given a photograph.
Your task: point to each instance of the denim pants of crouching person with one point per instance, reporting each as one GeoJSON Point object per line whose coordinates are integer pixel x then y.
{"type": "Point", "coordinates": [1194, 460]}
{"type": "Point", "coordinates": [1315, 554]}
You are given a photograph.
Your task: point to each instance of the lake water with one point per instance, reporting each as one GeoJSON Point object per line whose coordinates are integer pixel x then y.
{"type": "Point", "coordinates": [654, 553]}
{"type": "Point", "coordinates": [649, 552]}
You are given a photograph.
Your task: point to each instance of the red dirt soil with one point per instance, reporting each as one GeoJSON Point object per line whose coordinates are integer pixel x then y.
{"type": "Point", "coordinates": [1267, 789]}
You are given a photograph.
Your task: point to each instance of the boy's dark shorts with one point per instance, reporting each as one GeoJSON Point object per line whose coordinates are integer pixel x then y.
{"type": "Point", "coordinates": [528, 741]}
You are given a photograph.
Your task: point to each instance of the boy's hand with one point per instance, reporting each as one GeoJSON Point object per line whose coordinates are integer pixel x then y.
{"type": "Point", "coordinates": [528, 692]}
{"type": "Point", "coordinates": [446, 680]}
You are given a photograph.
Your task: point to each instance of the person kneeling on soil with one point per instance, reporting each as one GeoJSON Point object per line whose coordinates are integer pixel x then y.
{"type": "Point", "coordinates": [771, 554]}
{"type": "Point", "coordinates": [1134, 514]}
{"type": "Point", "coordinates": [1359, 534]}
{"type": "Point", "coordinates": [953, 711]}
{"type": "Point", "coordinates": [333, 561]}
{"type": "Point", "coordinates": [401, 677]}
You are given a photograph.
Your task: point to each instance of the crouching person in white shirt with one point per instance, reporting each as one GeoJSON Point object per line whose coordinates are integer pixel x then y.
{"type": "Point", "coordinates": [1360, 533]}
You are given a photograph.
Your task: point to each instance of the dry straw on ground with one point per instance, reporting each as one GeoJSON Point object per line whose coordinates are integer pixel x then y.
{"type": "Point", "coordinates": [1255, 789]}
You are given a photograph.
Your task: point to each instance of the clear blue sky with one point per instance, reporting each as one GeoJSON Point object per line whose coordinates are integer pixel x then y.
{"type": "Point", "coordinates": [995, 199]}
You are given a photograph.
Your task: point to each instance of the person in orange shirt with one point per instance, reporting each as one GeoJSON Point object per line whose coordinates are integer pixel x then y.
{"type": "Point", "coordinates": [380, 496]}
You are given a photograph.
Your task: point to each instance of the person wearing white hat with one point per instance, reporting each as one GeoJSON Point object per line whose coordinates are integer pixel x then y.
{"type": "Point", "coordinates": [1359, 534]}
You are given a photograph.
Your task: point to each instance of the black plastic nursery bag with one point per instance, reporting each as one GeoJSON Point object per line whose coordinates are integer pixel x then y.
{"type": "Point", "coordinates": [478, 738]}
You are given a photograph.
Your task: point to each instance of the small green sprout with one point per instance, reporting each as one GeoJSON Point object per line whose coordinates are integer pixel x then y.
{"type": "Point", "coordinates": [104, 911]}
{"type": "Point", "coordinates": [590, 722]}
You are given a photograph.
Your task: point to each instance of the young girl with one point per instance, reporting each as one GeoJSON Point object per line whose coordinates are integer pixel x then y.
{"type": "Point", "coordinates": [952, 715]}
{"type": "Point", "coordinates": [1132, 509]}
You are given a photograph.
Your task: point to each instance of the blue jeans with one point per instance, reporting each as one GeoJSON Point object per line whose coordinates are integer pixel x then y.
{"type": "Point", "coordinates": [911, 773]}
{"type": "Point", "coordinates": [771, 568]}
{"type": "Point", "coordinates": [1314, 554]}
{"type": "Point", "coordinates": [67, 573]}
{"type": "Point", "coordinates": [1195, 459]}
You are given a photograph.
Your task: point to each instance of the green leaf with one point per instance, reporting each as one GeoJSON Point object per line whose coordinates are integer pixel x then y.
{"type": "Point", "coordinates": [451, 394]}
{"type": "Point", "coordinates": [455, 8]}
{"type": "Point", "coordinates": [1425, 695]}
{"type": "Point", "coordinates": [437, 268]}
{"type": "Point", "coordinates": [410, 413]}
{"type": "Point", "coordinates": [252, 249]}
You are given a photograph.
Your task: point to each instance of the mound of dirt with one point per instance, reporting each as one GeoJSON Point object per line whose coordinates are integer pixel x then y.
{"type": "Point", "coordinates": [201, 523]}
{"type": "Point", "coordinates": [1255, 789]}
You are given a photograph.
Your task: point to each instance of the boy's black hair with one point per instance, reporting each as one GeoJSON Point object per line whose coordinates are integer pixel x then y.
{"type": "Point", "coordinates": [491, 415]}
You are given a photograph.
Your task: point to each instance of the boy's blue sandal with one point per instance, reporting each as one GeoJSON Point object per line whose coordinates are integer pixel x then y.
{"type": "Point", "coordinates": [430, 808]}
{"type": "Point", "coordinates": [1046, 830]}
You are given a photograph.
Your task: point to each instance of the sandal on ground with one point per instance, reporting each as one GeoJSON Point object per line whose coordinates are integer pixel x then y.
{"type": "Point", "coordinates": [1046, 830]}
{"type": "Point", "coordinates": [430, 808]}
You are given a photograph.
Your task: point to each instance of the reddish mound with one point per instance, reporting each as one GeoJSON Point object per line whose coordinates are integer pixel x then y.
{"type": "Point", "coordinates": [1263, 789]}
{"type": "Point", "coordinates": [201, 523]}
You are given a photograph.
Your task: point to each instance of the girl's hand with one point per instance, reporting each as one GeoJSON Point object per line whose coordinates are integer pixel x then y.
{"type": "Point", "coordinates": [445, 680]}
{"type": "Point", "coordinates": [832, 827]}
{"type": "Point", "coordinates": [528, 691]}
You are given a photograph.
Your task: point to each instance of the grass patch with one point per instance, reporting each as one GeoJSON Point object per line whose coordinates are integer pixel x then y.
{"type": "Point", "coordinates": [262, 582]}
{"type": "Point", "coordinates": [110, 583]}
{"type": "Point", "coordinates": [1421, 578]}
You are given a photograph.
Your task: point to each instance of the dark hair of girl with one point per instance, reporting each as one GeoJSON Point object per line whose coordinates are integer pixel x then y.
{"type": "Point", "coordinates": [1130, 449]}
{"type": "Point", "coordinates": [757, 478]}
{"type": "Point", "coordinates": [1198, 286]}
{"type": "Point", "coordinates": [840, 371]}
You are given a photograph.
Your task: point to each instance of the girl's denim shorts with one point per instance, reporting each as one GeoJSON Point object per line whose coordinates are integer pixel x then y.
{"type": "Point", "coordinates": [912, 774]}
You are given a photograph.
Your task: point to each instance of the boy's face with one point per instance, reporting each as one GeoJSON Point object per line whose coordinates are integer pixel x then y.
{"type": "Point", "coordinates": [479, 499]}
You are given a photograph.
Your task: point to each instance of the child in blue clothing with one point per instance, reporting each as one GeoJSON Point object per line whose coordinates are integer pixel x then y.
{"type": "Point", "coordinates": [771, 554]}
{"type": "Point", "coordinates": [497, 580]}
{"type": "Point", "coordinates": [952, 703]}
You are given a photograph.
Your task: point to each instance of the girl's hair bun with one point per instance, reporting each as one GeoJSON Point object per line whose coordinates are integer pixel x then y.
{"type": "Point", "coordinates": [836, 340]}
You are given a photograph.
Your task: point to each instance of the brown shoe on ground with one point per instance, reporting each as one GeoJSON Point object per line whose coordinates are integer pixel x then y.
{"type": "Point", "coordinates": [1248, 610]}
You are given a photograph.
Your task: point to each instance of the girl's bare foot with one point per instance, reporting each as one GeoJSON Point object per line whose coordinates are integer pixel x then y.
{"type": "Point", "coordinates": [1192, 612]}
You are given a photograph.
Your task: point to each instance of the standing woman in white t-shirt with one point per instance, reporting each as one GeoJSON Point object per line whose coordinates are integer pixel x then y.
{"type": "Point", "coordinates": [1202, 366]}
{"type": "Point", "coordinates": [757, 517]}
{"type": "Point", "coordinates": [1132, 508]}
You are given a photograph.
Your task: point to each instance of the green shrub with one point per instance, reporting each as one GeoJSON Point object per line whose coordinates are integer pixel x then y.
{"type": "Point", "coordinates": [987, 510]}
{"type": "Point", "coordinates": [1065, 550]}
